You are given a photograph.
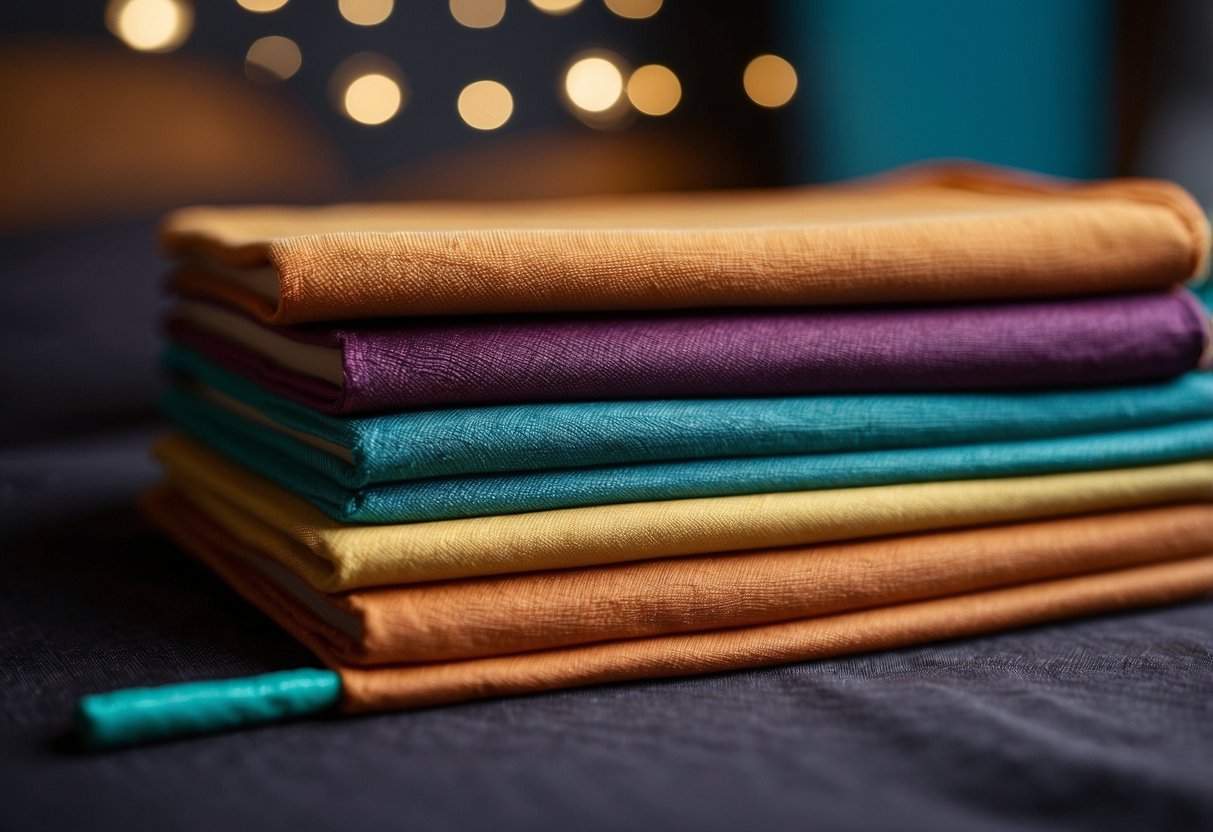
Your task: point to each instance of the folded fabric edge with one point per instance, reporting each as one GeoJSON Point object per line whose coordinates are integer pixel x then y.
{"type": "Point", "coordinates": [284, 299]}
{"type": "Point", "coordinates": [374, 448]}
{"type": "Point", "coordinates": [182, 231]}
{"type": "Point", "coordinates": [399, 687]}
{"type": "Point", "coordinates": [297, 468]}
{"type": "Point", "coordinates": [351, 634]}
{"type": "Point", "coordinates": [605, 534]}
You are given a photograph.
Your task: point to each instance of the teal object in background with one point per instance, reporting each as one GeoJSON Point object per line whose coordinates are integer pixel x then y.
{"type": "Point", "coordinates": [1205, 292]}
{"type": "Point", "coordinates": [1026, 83]}
{"type": "Point", "coordinates": [137, 715]}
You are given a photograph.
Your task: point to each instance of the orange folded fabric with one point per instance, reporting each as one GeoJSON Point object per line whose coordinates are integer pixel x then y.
{"type": "Point", "coordinates": [394, 687]}
{"type": "Point", "coordinates": [544, 610]}
{"type": "Point", "coordinates": [933, 234]}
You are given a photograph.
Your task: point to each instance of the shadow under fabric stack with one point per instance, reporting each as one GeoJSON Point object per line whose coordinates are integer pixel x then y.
{"type": "Point", "coordinates": [465, 451]}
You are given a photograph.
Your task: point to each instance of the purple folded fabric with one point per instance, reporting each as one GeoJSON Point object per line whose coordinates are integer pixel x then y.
{"type": "Point", "coordinates": [397, 364]}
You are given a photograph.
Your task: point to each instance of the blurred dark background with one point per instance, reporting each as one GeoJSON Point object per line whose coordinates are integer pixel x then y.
{"type": "Point", "coordinates": [114, 112]}
{"type": "Point", "coordinates": [136, 105]}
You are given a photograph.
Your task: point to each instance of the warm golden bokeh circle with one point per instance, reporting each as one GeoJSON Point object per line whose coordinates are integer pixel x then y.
{"type": "Point", "coordinates": [478, 14]}
{"type": "Point", "coordinates": [593, 84]}
{"type": "Point", "coordinates": [556, 6]}
{"type": "Point", "coordinates": [654, 90]}
{"type": "Point", "coordinates": [769, 81]}
{"type": "Point", "coordinates": [272, 58]}
{"type": "Point", "coordinates": [485, 105]}
{"type": "Point", "coordinates": [365, 12]}
{"type": "Point", "coordinates": [372, 99]}
{"type": "Point", "coordinates": [150, 25]}
{"type": "Point", "coordinates": [261, 6]}
{"type": "Point", "coordinates": [634, 9]}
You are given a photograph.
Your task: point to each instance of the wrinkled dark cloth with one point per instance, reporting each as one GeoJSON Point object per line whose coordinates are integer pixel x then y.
{"type": "Point", "coordinates": [90, 362]}
{"type": "Point", "coordinates": [1060, 343]}
{"type": "Point", "coordinates": [1099, 724]}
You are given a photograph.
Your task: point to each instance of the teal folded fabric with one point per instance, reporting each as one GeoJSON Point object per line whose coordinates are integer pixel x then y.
{"type": "Point", "coordinates": [513, 438]}
{"type": "Point", "coordinates": [441, 498]}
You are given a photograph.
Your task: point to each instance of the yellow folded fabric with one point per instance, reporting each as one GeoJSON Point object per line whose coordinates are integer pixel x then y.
{"type": "Point", "coordinates": [1113, 579]}
{"type": "Point", "coordinates": [504, 614]}
{"type": "Point", "coordinates": [947, 233]}
{"type": "Point", "coordinates": [332, 557]}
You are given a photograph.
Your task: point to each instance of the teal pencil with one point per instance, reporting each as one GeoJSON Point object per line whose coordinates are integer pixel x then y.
{"type": "Point", "coordinates": [140, 715]}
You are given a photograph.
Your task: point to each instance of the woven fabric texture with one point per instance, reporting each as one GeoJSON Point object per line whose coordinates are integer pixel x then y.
{"type": "Point", "coordinates": [392, 687]}
{"type": "Point", "coordinates": [950, 233]}
{"type": "Point", "coordinates": [334, 556]}
{"type": "Point", "coordinates": [449, 498]}
{"type": "Point", "coordinates": [513, 438]}
{"type": "Point", "coordinates": [477, 617]}
{"type": "Point", "coordinates": [395, 365]}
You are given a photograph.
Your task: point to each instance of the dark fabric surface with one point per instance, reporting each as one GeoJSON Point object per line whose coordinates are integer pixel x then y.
{"type": "Point", "coordinates": [1099, 724]}
{"type": "Point", "coordinates": [78, 334]}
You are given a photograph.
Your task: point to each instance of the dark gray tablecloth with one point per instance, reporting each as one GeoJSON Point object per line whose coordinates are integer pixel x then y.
{"type": "Point", "coordinates": [1099, 724]}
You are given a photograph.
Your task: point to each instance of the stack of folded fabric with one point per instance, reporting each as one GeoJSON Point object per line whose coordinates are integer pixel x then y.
{"type": "Point", "coordinates": [465, 451]}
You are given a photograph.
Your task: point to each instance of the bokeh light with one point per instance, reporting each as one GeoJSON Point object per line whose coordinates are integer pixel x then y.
{"type": "Point", "coordinates": [365, 12]}
{"type": "Point", "coordinates": [654, 90]}
{"type": "Point", "coordinates": [150, 25]}
{"type": "Point", "coordinates": [478, 14]}
{"type": "Point", "coordinates": [272, 58]}
{"type": "Point", "coordinates": [556, 6]}
{"type": "Point", "coordinates": [485, 105]}
{"type": "Point", "coordinates": [372, 99]}
{"type": "Point", "coordinates": [369, 88]}
{"type": "Point", "coordinates": [261, 6]}
{"type": "Point", "coordinates": [770, 81]}
{"type": "Point", "coordinates": [634, 9]}
{"type": "Point", "coordinates": [593, 84]}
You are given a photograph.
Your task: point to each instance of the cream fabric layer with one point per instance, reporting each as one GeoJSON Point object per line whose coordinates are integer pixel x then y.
{"type": "Point", "coordinates": [313, 360]}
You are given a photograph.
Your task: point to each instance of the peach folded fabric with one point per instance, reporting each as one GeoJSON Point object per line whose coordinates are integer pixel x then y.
{"type": "Point", "coordinates": [331, 556]}
{"type": "Point", "coordinates": [397, 686]}
{"type": "Point", "coordinates": [545, 610]}
{"type": "Point", "coordinates": [394, 687]}
{"type": "Point", "coordinates": [961, 232]}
